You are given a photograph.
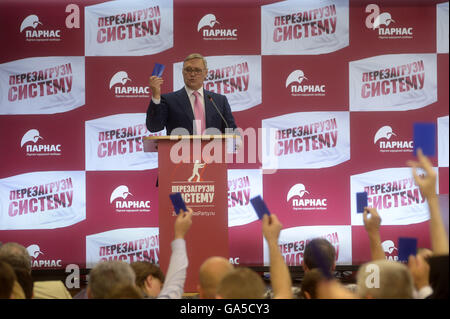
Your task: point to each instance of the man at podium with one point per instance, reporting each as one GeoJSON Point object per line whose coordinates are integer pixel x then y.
{"type": "Point", "coordinates": [192, 107]}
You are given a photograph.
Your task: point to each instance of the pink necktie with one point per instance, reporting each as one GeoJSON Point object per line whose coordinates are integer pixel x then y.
{"type": "Point", "coordinates": [199, 114]}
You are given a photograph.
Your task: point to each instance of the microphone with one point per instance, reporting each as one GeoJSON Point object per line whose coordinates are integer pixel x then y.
{"type": "Point", "coordinates": [217, 109]}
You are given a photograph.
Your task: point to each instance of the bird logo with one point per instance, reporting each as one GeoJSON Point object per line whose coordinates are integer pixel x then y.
{"type": "Point", "coordinates": [383, 19]}
{"type": "Point", "coordinates": [296, 76]}
{"type": "Point", "coordinates": [121, 191]}
{"type": "Point", "coordinates": [296, 190]}
{"type": "Point", "coordinates": [30, 21]}
{"type": "Point", "coordinates": [388, 246]}
{"type": "Point", "coordinates": [208, 20]}
{"type": "Point", "coordinates": [384, 132]}
{"type": "Point", "coordinates": [34, 251]}
{"type": "Point", "coordinates": [30, 136]}
{"type": "Point", "coordinates": [119, 77]}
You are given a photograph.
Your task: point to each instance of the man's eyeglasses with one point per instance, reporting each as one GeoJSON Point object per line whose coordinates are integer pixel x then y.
{"type": "Point", "coordinates": [196, 71]}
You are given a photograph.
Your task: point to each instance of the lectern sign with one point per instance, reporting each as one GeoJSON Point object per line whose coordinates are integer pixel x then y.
{"type": "Point", "coordinates": [202, 183]}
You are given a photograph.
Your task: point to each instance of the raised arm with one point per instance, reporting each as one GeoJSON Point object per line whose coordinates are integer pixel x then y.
{"type": "Point", "coordinates": [372, 225]}
{"type": "Point", "coordinates": [157, 111]}
{"type": "Point", "coordinates": [176, 274]}
{"type": "Point", "coordinates": [427, 186]}
{"type": "Point", "coordinates": [279, 272]}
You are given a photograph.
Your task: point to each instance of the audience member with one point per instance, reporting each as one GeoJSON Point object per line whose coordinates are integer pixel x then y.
{"type": "Point", "coordinates": [383, 279]}
{"type": "Point", "coordinates": [105, 276]}
{"type": "Point", "coordinates": [17, 256]}
{"type": "Point", "coordinates": [211, 273]}
{"type": "Point", "coordinates": [325, 248]}
{"type": "Point", "coordinates": [149, 278]}
{"type": "Point", "coordinates": [241, 283]}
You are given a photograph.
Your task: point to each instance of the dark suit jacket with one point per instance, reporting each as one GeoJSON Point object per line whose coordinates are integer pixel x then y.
{"type": "Point", "coordinates": [175, 111]}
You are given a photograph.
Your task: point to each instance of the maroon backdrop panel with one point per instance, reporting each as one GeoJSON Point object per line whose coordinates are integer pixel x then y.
{"type": "Point", "coordinates": [106, 94]}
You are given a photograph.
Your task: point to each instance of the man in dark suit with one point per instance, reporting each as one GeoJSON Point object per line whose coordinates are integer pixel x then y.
{"type": "Point", "coordinates": [191, 107]}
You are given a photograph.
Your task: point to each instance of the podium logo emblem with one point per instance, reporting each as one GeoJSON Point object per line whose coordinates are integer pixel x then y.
{"type": "Point", "coordinates": [195, 171]}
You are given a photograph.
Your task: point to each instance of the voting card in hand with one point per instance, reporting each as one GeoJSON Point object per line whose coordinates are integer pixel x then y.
{"type": "Point", "coordinates": [406, 247]}
{"type": "Point", "coordinates": [259, 206]}
{"type": "Point", "coordinates": [158, 70]}
{"type": "Point", "coordinates": [425, 138]}
{"type": "Point", "coordinates": [178, 202]}
{"type": "Point", "coordinates": [361, 202]}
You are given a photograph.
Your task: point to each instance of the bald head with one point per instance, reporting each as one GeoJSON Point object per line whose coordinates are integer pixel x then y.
{"type": "Point", "coordinates": [211, 273]}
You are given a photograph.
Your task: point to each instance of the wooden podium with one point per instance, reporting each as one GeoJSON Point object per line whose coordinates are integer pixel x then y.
{"type": "Point", "coordinates": [195, 166]}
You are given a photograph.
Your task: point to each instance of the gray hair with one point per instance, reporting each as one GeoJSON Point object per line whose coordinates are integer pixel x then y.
{"type": "Point", "coordinates": [105, 276]}
{"type": "Point", "coordinates": [391, 280]}
{"type": "Point", "coordinates": [196, 56]}
{"type": "Point", "coordinates": [16, 255]}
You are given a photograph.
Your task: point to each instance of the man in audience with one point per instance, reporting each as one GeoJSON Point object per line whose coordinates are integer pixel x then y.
{"type": "Point", "coordinates": [211, 272]}
{"type": "Point", "coordinates": [325, 248]}
{"type": "Point", "coordinates": [105, 276]}
{"type": "Point", "coordinates": [384, 279]}
{"type": "Point", "coordinates": [153, 284]}
{"type": "Point", "coordinates": [17, 256]}
{"type": "Point", "coordinates": [241, 283]}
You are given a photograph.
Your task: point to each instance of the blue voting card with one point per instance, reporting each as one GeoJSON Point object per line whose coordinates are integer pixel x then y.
{"type": "Point", "coordinates": [424, 137]}
{"type": "Point", "coordinates": [361, 202]}
{"type": "Point", "coordinates": [259, 206]}
{"type": "Point", "coordinates": [158, 70]}
{"type": "Point", "coordinates": [178, 202]}
{"type": "Point", "coordinates": [406, 247]}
